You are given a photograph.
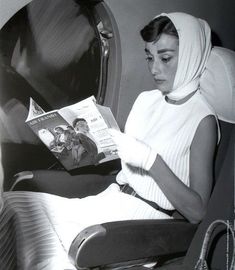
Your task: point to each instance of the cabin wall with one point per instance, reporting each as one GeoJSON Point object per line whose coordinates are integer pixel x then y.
{"type": "Point", "coordinates": [131, 16]}
{"type": "Point", "coordinates": [9, 8]}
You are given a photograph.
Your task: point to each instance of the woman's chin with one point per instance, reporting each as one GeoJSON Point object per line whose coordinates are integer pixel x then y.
{"type": "Point", "coordinates": [163, 88]}
{"type": "Point", "coordinates": [163, 91]}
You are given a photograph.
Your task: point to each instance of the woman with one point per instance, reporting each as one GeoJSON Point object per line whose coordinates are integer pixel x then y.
{"type": "Point", "coordinates": [167, 153]}
{"type": "Point", "coordinates": [173, 121]}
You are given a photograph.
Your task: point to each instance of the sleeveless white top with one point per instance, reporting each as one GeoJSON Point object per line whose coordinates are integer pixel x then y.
{"type": "Point", "coordinates": [169, 129]}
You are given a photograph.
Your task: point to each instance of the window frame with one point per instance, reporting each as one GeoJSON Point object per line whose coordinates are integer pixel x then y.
{"type": "Point", "coordinates": [110, 75]}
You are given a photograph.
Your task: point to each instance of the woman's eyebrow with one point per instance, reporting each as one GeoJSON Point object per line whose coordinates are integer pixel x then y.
{"type": "Point", "coordinates": [147, 50]}
{"type": "Point", "coordinates": [165, 50]}
{"type": "Point", "coordinates": [160, 51]}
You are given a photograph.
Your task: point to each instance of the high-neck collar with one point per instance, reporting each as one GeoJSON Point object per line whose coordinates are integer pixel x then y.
{"type": "Point", "coordinates": [180, 101]}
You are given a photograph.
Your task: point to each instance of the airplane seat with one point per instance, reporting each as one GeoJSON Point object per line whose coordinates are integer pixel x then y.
{"type": "Point", "coordinates": [220, 207]}
{"type": "Point", "coordinates": [15, 92]}
{"type": "Point", "coordinates": [16, 113]}
{"type": "Point", "coordinates": [130, 242]}
{"type": "Point", "coordinates": [137, 242]}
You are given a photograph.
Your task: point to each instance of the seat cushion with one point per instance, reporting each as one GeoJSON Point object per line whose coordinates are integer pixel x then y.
{"type": "Point", "coordinates": [218, 83]}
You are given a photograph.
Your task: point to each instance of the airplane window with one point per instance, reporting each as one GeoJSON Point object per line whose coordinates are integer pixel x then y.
{"type": "Point", "coordinates": [53, 48]}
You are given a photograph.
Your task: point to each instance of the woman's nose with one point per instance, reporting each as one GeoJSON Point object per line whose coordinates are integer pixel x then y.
{"type": "Point", "coordinates": [156, 68]}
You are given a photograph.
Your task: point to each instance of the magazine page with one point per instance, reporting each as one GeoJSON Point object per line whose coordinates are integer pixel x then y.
{"type": "Point", "coordinates": [34, 110]}
{"type": "Point", "coordinates": [108, 116]}
{"type": "Point", "coordinates": [92, 129]}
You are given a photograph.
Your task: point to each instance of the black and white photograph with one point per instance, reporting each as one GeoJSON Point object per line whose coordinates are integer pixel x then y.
{"type": "Point", "coordinates": [117, 134]}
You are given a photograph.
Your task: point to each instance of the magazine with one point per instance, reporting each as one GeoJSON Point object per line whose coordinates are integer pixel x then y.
{"type": "Point", "coordinates": [78, 134]}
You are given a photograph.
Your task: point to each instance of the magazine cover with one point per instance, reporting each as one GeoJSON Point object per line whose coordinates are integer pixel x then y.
{"type": "Point", "coordinates": [77, 135]}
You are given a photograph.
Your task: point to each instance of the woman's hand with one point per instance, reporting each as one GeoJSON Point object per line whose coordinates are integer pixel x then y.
{"type": "Point", "coordinates": [133, 151]}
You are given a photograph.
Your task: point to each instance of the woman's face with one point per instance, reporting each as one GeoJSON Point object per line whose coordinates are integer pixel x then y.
{"type": "Point", "coordinates": [162, 58]}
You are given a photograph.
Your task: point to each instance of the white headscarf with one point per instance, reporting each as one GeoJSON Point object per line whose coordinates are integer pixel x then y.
{"type": "Point", "coordinates": [194, 50]}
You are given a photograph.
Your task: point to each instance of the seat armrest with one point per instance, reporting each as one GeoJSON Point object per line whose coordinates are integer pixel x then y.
{"type": "Point", "coordinates": [21, 176]}
{"type": "Point", "coordinates": [61, 183]}
{"type": "Point", "coordinates": [130, 242]}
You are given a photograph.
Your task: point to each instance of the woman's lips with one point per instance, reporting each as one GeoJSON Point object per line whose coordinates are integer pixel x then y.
{"type": "Point", "coordinates": [159, 81]}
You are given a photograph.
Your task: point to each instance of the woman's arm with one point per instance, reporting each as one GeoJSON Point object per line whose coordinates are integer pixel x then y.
{"type": "Point", "coordinates": [191, 201]}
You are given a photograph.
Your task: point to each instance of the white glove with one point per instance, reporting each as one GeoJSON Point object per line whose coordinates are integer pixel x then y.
{"type": "Point", "coordinates": [133, 151]}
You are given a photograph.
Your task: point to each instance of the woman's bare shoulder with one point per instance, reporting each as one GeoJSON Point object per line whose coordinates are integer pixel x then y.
{"type": "Point", "coordinates": [206, 133]}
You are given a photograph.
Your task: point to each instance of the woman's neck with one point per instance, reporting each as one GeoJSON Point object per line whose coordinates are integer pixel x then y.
{"type": "Point", "coordinates": [180, 101]}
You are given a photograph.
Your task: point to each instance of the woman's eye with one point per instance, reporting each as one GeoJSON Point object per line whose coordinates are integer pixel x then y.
{"type": "Point", "coordinates": [166, 59]}
{"type": "Point", "coordinates": [149, 58]}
